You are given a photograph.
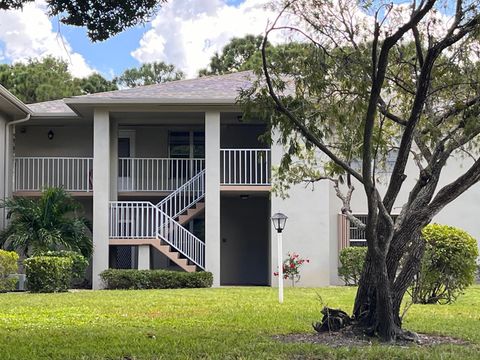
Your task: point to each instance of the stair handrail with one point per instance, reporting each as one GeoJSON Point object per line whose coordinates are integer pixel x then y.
{"type": "Point", "coordinates": [185, 196]}
{"type": "Point", "coordinates": [144, 220]}
{"type": "Point", "coordinates": [180, 239]}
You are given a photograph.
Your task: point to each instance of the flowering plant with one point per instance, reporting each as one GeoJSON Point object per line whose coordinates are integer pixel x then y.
{"type": "Point", "coordinates": [291, 267]}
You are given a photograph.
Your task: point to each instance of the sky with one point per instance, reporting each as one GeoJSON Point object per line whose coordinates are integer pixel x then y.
{"type": "Point", "coordinates": [185, 33]}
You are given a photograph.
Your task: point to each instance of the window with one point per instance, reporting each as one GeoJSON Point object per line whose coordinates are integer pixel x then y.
{"type": "Point", "coordinates": [187, 144]}
{"type": "Point", "coordinates": [357, 236]}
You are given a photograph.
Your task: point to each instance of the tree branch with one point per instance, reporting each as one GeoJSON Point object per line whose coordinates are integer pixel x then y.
{"type": "Point", "coordinates": [298, 124]}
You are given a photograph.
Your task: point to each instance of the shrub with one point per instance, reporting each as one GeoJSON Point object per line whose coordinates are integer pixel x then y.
{"type": "Point", "coordinates": [79, 264]}
{"type": "Point", "coordinates": [351, 264]}
{"type": "Point", "coordinates": [154, 279]}
{"type": "Point", "coordinates": [48, 273]}
{"type": "Point", "coordinates": [291, 267]}
{"type": "Point", "coordinates": [448, 265]}
{"type": "Point", "coordinates": [8, 266]}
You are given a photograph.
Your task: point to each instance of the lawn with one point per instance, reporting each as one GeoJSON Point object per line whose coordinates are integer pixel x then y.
{"type": "Point", "coordinates": [222, 323]}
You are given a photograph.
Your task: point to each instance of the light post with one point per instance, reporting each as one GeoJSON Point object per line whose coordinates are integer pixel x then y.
{"type": "Point", "coordinates": [279, 220]}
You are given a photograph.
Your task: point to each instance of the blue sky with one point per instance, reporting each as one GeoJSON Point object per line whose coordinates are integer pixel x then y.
{"type": "Point", "coordinates": [184, 32]}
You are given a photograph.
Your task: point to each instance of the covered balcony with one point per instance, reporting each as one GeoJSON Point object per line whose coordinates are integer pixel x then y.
{"type": "Point", "coordinates": [239, 168]}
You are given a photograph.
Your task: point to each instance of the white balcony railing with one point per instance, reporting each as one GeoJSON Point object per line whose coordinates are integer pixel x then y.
{"type": "Point", "coordinates": [245, 166]}
{"type": "Point", "coordinates": [37, 173]}
{"type": "Point", "coordinates": [156, 174]}
{"type": "Point", "coordinates": [237, 167]}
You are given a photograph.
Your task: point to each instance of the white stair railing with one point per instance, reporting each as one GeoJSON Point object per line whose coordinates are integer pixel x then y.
{"type": "Point", "coordinates": [133, 220]}
{"type": "Point", "coordinates": [180, 239]}
{"type": "Point", "coordinates": [144, 220]}
{"type": "Point", "coordinates": [185, 196]}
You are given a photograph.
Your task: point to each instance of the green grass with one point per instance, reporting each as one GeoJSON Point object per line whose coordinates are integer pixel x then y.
{"type": "Point", "coordinates": [223, 323]}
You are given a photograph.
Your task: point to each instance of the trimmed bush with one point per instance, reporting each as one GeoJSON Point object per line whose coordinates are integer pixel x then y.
{"type": "Point", "coordinates": [48, 273]}
{"type": "Point", "coordinates": [8, 266]}
{"type": "Point", "coordinates": [448, 265]}
{"type": "Point", "coordinates": [79, 264]}
{"type": "Point", "coordinates": [154, 279]}
{"type": "Point", "coordinates": [351, 264]}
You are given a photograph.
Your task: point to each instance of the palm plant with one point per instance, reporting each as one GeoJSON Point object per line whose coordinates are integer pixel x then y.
{"type": "Point", "coordinates": [52, 222]}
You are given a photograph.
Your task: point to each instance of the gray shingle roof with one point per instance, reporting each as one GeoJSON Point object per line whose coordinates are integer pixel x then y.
{"type": "Point", "coordinates": [54, 106]}
{"type": "Point", "coordinates": [209, 88]}
{"type": "Point", "coordinates": [223, 87]}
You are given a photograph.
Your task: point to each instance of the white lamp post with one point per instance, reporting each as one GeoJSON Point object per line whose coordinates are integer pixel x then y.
{"type": "Point", "coordinates": [279, 220]}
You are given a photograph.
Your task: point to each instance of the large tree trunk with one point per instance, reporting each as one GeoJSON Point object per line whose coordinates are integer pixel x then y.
{"type": "Point", "coordinates": [379, 297]}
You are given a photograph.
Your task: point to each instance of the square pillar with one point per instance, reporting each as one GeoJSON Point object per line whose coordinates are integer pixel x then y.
{"type": "Point", "coordinates": [101, 193]}
{"type": "Point", "coordinates": [212, 194]}
{"type": "Point", "coordinates": [143, 260]}
{"type": "Point", "coordinates": [114, 160]}
{"type": "Point", "coordinates": [4, 177]}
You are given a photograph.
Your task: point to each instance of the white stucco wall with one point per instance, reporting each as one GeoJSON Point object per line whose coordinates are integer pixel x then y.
{"type": "Point", "coordinates": [67, 141]}
{"type": "Point", "coordinates": [307, 231]}
{"type": "Point", "coordinates": [463, 212]}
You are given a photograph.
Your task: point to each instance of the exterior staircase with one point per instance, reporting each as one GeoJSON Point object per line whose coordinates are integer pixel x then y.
{"type": "Point", "coordinates": [161, 225]}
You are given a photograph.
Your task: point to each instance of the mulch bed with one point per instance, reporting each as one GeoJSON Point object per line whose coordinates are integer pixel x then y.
{"type": "Point", "coordinates": [348, 337]}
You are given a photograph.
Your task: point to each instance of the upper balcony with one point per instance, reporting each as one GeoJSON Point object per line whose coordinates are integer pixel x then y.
{"type": "Point", "coordinates": [240, 169]}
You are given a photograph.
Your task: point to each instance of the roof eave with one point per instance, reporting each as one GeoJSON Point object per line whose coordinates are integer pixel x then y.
{"type": "Point", "coordinates": [14, 101]}
{"type": "Point", "coordinates": [148, 101]}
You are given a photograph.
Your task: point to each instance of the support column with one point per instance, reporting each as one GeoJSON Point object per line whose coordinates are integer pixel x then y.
{"type": "Point", "coordinates": [143, 257]}
{"type": "Point", "coordinates": [212, 194]}
{"type": "Point", "coordinates": [114, 160]}
{"type": "Point", "coordinates": [101, 193]}
{"type": "Point", "coordinates": [4, 178]}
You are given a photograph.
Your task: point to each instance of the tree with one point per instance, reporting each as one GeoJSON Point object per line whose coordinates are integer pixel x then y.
{"type": "Point", "coordinates": [103, 19]}
{"type": "Point", "coordinates": [51, 222]}
{"type": "Point", "coordinates": [39, 80]}
{"type": "Point", "coordinates": [379, 78]}
{"type": "Point", "coordinates": [237, 55]}
{"type": "Point", "coordinates": [96, 83]}
{"type": "Point", "coordinates": [148, 74]}
{"type": "Point", "coordinates": [245, 53]}
{"type": "Point", "coordinates": [47, 79]}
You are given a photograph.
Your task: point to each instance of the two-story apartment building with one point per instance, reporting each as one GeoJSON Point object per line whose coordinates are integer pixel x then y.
{"type": "Point", "coordinates": [172, 177]}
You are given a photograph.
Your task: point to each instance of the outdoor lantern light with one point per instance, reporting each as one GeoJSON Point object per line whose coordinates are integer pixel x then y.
{"type": "Point", "coordinates": [279, 220]}
{"type": "Point", "coordinates": [50, 135]}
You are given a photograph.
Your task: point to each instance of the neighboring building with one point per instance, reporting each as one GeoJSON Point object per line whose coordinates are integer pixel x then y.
{"type": "Point", "coordinates": [172, 177]}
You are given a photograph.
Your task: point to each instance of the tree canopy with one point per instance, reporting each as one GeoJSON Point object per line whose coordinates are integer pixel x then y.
{"type": "Point", "coordinates": [239, 54]}
{"type": "Point", "coordinates": [52, 222]}
{"type": "Point", "coordinates": [245, 53]}
{"type": "Point", "coordinates": [148, 74]}
{"type": "Point", "coordinates": [378, 78]}
{"type": "Point", "coordinates": [47, 79]}
{"type": "Point", "coordinates": [102, 18]}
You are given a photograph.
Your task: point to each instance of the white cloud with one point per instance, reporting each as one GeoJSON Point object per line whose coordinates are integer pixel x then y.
{"type": "Point", "coordinates": [187, 33]}
{"type": "Point", "coordinates": [30, 34]}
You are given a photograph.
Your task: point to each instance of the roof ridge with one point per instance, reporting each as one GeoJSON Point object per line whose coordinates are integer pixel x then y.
{"type": "Point", "coordinates": [164, 83]}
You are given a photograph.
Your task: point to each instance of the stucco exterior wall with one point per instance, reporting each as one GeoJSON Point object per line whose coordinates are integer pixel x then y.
{"type": "Point", "coordinates": [74, 141]}
{"type": "Point", "coordinates": [307, 231]}
{"type": "Point", "coordinates": [463, 212]}
{"type": "Point", "coordinates": [243, 136]}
